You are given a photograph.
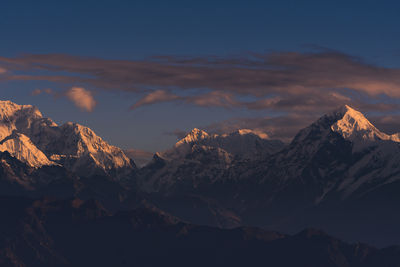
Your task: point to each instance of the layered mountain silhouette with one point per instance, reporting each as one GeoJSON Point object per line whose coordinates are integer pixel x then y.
{"type": "Point", "coordinates": [63, 188]}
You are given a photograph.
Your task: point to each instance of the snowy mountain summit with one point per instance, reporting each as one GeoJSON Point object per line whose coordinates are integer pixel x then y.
{"type": "Point", "coordinates": [38, 141]}
{"type": "Point", "coordinates": [243, 143]}
{"type": "Point", "coordinates": [349, 123]}
{"type": "Point", "coordinates": [353, 126]}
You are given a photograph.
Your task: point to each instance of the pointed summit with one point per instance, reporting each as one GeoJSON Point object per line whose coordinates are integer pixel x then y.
{"type": "Point", "coordinates": [193, 136]}
{"type": "Point", "coordinates": [353, 125]}
{"type": "Point", "coordinates": [345, 108]}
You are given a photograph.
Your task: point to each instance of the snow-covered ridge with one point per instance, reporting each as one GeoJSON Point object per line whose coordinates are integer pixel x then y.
{"type": "Point", "coordinates": [193, 136]}
{"type": "Point", "coordinates": [351, 124]}
{"type": "Point", "coordinates": [243, 143]}
{"type": "Point", "coordinates": [22, 148]}
{"type": "Point", "coordinates": [33, 139]}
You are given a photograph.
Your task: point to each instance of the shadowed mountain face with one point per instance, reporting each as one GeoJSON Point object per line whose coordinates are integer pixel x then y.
{"type": "Point", "coordinates": [77, 233]}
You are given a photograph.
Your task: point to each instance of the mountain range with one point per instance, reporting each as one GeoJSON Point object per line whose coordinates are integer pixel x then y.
{"type": "Point", "coordinates": [337, 174]}
{"type": "Point", "coordinates": [38, 141]}
{"type": "Point", "coordinates": [340, 174]}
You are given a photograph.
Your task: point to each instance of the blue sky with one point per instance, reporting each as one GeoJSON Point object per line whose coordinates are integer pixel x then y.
{"type": "Point", "coordinates": [139, 30]}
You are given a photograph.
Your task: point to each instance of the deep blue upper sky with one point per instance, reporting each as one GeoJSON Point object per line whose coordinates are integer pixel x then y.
{"type": "Point", "coordinates": [142, 29]}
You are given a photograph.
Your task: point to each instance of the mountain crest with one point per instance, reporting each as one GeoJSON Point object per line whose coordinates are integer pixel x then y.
{"type": "Point", "coordinates": [351, 124]}
{"type": "Point", "coordinates": [354, 126]}
{"type": "Point", "coordinates": [193, 136]}
{"type": "Point", "coordinates": [33, 139]}
{"type": "Point", "coordinates": [22, 148]}
{"type": "Point", "coordinates": [9, 109]}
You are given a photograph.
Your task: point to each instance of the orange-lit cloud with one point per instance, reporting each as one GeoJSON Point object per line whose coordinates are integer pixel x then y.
{"type": "Point", "coordinates": [82, 98]}
{"type": "Point", "coordinates": [155, 97]}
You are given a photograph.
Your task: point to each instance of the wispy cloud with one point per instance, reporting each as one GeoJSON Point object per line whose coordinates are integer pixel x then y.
{"type": "Point", "coordinates": [157, 96]}
{"type": "Point", "coordinates": [287, 81]}
{"type": "Point", "coordinates": [210, 99]}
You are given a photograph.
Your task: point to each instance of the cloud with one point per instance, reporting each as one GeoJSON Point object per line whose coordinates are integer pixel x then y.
{"type": "Point", "coordinates": [155, 97]}
{"type": "Point", "coordinates": [82, 98]}
{"type": "Point", "coordinates": [214, 99]}
{"type": "Point", "coordinates": [211, 99]}
{"type": "Point", "coordinates": [287, 81]}
{"type": "Point", "coordinates": [3, 70]}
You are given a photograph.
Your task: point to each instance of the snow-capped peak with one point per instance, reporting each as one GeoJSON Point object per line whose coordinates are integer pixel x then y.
{"type": "Point", "coordinates": [9, 109]}
{"type": "Point", "coordinates": [354, 126]}
{"type": "Point", "coordinates": [13, 116]}
{"type": "Point", "coordinates": [22, 148]}
{"type": "Point", "coordinates": [194, 136]}
{"type": "Point", "coordinates": [30, 137]}
{"type": "Point", "coordinates": [243, 143]}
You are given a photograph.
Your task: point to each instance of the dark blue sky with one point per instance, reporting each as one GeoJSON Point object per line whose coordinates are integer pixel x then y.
{"type": "Point", "coordinates": [134, 30]}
